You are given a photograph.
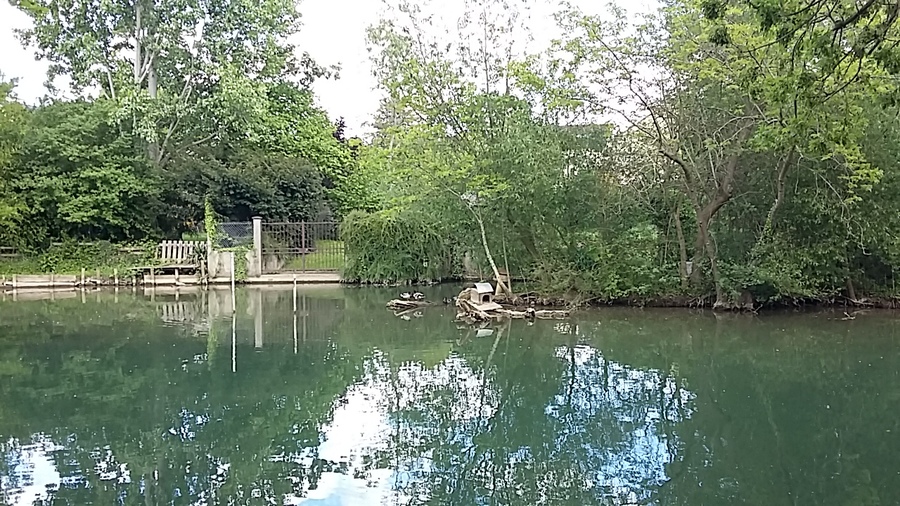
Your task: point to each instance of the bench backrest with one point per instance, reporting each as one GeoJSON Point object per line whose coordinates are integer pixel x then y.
{"type": "Point", "coordinates": [178, 251]}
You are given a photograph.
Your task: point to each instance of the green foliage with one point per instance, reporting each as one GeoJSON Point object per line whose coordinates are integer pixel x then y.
{"type": "Point", "coordinates": [271, 185]}
{"type": "Point", "coordinates": [80, 177]}
{"type": "Point", "coordinates": [395, 248]}
{"type": "Point", "coordinates": [622, 265]}
{"type": "Point", "coordinates": [754, 165]}
{"type": "Point", "coordinates": [71, 256]}
{"type": "Point", "coordinates": [13, 120]}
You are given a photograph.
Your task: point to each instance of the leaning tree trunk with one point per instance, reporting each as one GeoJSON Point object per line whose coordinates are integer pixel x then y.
{"type": "Point", "coordinates": [487, 252]}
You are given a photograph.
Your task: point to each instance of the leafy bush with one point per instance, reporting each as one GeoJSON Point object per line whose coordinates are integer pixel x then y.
{"type": "Point", "coordinates": [627, 264]}
{"type": "Point", "coordinates": [395, 248]}
{"type": "Point", "coordinates": [72, 256]}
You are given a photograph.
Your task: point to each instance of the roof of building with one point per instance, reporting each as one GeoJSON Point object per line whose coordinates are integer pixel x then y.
{"type": "Point", "coordinates": [484, 288]}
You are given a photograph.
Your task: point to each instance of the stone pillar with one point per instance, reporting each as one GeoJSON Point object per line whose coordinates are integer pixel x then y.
{"type": "Point", "coordinates": [255, 268]}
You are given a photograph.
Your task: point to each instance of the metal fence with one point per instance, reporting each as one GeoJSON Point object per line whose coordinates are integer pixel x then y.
{"type": "Point", "coordinates": [233, 234]}
{"type": "Point", "coordinates": [301, 246]}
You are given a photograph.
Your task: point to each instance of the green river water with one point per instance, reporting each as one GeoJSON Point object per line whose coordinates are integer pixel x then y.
{"type": "Point", "coordinates": [123, 398]}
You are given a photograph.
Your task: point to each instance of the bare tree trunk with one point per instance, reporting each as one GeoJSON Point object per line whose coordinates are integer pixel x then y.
{"type": "Point", "coordinates": [152, 89]}
{"type": "Point", "coordinates": [721, 196]}
{"type": "Point", "coordinates": [682, 248]}
{"type": "Point", "coordinates": [713, 267]}
{"type": "Point", "coordinates": [779, 193]}
{"type": "Point", "coordinates": [138, 60]}
{"type": "Point", "coordinates": [487, 252]}
{"type": "Point", "coordinates": [851, 291]}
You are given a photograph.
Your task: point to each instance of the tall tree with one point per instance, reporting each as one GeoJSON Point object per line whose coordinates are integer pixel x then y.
{"type": "Point", "coordinates": [178, 69]}
{"type": "Point", "coordinates": [13, 118]}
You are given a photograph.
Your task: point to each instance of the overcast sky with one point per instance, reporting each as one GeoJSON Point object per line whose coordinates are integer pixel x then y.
{"type": "Point", "coordinates": [333, 33]}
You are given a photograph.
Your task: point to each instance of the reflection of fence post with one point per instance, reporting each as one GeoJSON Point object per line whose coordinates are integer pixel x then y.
{"type": "Point", "coordinates": [209, 256]}
{"type": "Point", "coordinates": [257, 245]}
{"type": "Point", "coordinates": [257, 319]}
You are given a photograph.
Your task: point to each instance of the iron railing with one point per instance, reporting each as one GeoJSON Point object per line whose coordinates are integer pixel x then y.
{"type": "Point", "coordinates": [302, 246]}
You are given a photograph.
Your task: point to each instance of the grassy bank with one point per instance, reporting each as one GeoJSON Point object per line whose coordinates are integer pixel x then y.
{"type": "Point", "coordinates": [70, 258]}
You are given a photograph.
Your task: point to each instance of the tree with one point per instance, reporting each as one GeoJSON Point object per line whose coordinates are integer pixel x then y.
{"type": "Point", "coordinates": [13, 118]}
{"type": "Point", "coordinates": [178, 70]}
{"type": "Point", "coordinates": [78, 176]}
{"type": "Point", "coordinates": [712, 105]}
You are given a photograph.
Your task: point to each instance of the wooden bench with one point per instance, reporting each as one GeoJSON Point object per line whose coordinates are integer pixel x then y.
{"type": "Point", "coordinates": [179, 253]}
{"type": "Point", "coordinates": [174, 258]}
{"type": "Point", "coordinates": [43, 281]}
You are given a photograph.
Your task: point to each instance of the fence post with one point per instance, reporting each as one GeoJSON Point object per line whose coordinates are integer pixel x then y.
{"type": "Point", "coordinates": [304, 248]}
{"type": "Point", "coordinates": [257, 245]}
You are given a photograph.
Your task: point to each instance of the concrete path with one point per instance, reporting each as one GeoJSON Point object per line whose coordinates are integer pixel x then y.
{"type": "Point", "coordinates": [301, 277]}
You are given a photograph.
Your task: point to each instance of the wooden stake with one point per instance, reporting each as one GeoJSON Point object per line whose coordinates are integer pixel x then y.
{"type": "Point", "coordinates": [116, 277]}
{"type": "Point", "coordinates": [82, 277]}
{"type": "Point", "coordinates": [233, 301]}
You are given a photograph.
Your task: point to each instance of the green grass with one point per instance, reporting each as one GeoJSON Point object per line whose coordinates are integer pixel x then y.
{"type": "Point", "coordinates": [329, 255]}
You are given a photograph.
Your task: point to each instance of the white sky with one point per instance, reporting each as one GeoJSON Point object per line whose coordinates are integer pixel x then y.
{"type": "Point", "coordinates": [333, 33]}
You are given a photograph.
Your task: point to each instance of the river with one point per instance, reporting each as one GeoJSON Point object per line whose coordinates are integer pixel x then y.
{"type": "Point", "coordinates": [124, 398]}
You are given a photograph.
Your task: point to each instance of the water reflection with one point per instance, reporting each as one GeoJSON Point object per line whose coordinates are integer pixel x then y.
{"type": "Point", "coordinates": [195, 398]}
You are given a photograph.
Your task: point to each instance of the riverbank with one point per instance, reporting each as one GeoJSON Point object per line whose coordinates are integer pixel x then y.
{"type": "Point", "coordinates": [43, 281]}
{"type": "Point", "coordinates": [700, 302]}
{"type": "Point", "coordinates": [32, 282]}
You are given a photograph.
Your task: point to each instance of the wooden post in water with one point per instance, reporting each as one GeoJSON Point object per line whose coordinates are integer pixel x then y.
{"type": "Point", "coordinates": [52, 280]}
{"type": "Point", "coordinates": [153, 277]}
{"type": "Point", "coordinates": [82, 278]}
{"type": "Point", "coordinates": [233, 301]}
{"type": "Point", "coordinates": [97, 279]}
{"type": "Point", "coordinates": [176, 276]}
{"type": "Point", "coordinates": [116, 277]}
{"type": "Point", "coordinates": [233, 342]}
{"type": "Point", "coordinates": [295, 293]}
{"type": "Point", "coordinates": [14, 283]}
{"type": "Point", "coordinates": [303, 249]}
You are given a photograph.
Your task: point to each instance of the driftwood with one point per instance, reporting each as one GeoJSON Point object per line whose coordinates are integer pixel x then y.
{"type": "Point", "coordinates": [468, 310]}
{"type": "Point", "coordinates": [402, 305]}
{"type": "Point", "coordinates": [539, 314]}
{"type": "Point", "coordinates": [471, 312]}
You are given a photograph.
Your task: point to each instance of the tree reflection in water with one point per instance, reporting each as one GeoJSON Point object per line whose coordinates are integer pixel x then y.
{"type": "Point", "coordinates": [583, 431]}
{"type": "Point", "coordinates": [106, 403]}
